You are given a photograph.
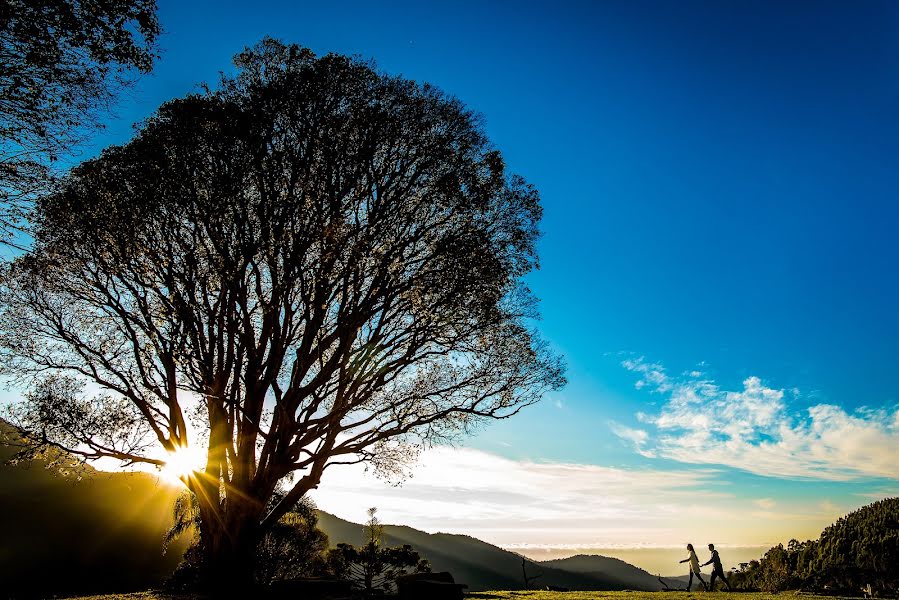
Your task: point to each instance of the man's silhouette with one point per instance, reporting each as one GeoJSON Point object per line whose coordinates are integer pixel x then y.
{"type": "Point", "coordinates": [717, 569]}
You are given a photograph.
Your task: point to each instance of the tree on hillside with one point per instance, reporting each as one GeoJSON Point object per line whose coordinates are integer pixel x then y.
{"type": "Point", "coordinates": [315, 264]}
{"type": "Point", "coordinates": [861, 548]}
{"type": "Point", "coordinates": [775, 574]}
{"type": "Point", "coordinates": [61, 62]}
{"type": "Point", "coordinates": [374, 566]}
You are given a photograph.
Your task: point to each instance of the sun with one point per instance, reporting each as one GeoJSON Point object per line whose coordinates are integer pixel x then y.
{"type": "Point", "coordinates": [183, 462]}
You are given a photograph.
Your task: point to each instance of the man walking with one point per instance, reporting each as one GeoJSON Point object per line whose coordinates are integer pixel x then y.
{"type": "Point", "coordinates": [717, 569]}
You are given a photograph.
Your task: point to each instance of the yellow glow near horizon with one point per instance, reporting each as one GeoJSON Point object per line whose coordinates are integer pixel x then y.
{"type": "Point", "coordinates": [182, 463]}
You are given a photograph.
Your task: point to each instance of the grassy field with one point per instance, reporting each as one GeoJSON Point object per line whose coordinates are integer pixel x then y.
{"type": "Point", "coordinates": [535, 595]}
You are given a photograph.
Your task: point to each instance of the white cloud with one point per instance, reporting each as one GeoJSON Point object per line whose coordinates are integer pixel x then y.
{"type": "Point", "coordinates": [518, 501]}
{"type": "Point", "coordinates": [637, 437]}
{"type": "Point", "coordinates": [653, 375]}
{"type": "Point", "coordinates": [765, 503]}
{"type": "Point", "coordinates": [753, 429]}
{"type": "Point", "coordinates": [879, 493]}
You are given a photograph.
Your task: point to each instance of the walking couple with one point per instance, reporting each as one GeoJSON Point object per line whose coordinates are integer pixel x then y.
{"type": "Point", "coordinates": [717, 569]}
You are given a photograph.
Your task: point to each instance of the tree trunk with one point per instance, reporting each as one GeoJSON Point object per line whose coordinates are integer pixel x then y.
{"type": "Point", "coordinates": [228, 548]}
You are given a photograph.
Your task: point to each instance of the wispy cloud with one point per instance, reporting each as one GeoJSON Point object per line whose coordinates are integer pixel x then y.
{"type": "Point", "coordinates": [879, 493]}
{"type": "Point", "coordinates": [506, 501]}
{"type": "Point", "coordinates": [753, 429]}
{"type": "Point", "coordinates": [652, 375]}
{"type": "Point", "coordinates": [525, 503]}
{"type": "Point", "coordinates": [638, 437]}
{"type": "Point", "coordinates": [765, 503]}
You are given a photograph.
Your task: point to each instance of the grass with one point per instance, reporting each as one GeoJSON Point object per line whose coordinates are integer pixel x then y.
{"type": "Point", "coordinates": [139, 596]}
{"type": "Point", "coordinates": [537, 595]}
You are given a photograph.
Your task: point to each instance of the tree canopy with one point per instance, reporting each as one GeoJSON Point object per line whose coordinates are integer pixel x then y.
{"type": "Point", "coordinates": [314, 264]}
{"type": "Point", "coordinates": [61, 61]}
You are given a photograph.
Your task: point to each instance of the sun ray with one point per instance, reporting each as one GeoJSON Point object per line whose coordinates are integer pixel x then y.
{"type": "Point", "coordinates": [183, 463]}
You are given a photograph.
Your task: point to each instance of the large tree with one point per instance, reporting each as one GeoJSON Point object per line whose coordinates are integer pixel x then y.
{"type": "Point", "coordinates": [61, 64]}
{"type": "Point", "coordinates": [314, 264]}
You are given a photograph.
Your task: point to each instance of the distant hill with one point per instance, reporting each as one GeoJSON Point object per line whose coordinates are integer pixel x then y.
{"type": "Point", "coordinates": [613, 569]}
{"type": "Point", "coordinates": [484, 566]}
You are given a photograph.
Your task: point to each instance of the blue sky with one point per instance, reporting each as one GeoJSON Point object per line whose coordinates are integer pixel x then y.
{"type": "Point", "coordinates": [719, 183]}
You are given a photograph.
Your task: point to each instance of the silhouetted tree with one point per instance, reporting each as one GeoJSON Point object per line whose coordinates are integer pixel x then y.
{"type": "Point", "coordinates": [293, 547]}
{"type": "Point", "coordinates": [61, 61]}
{"type": "Point", "coordinates": [317, 264]}
{"type": "Point", "coordinates": [373, 566]}
{"type": "Point", "coordinates": [775, 573]}
{"type": "Point", "coordinates": [528, 579]}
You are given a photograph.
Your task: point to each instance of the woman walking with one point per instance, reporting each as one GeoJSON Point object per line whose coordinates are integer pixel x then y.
{"type": "Point", "coordinates": [694, 568]}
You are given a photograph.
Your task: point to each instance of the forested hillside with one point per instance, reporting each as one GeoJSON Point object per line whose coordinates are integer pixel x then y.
{"type": "Point", "coordinates": [861, 548]}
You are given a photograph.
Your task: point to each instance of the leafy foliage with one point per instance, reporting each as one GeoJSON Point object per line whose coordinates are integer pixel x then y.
{"type": "Point", "coordinates": [185, 518]}
{"type": "Point", "coordinates": [61, 61]}
{"type": "Point", "coordinates": [776, 573]}
{"type": "Point", "coordinates": [293, 547]}
{"type": "Point", "coordinates": [373, 566]}
{"type": "Point", "coordinates": [317, 263]}
{"type": "Point", "coordinates": [860, 548]}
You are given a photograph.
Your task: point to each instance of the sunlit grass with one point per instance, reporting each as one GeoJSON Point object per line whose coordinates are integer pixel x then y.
{"type": "Point", "coordinates": [143, 596]}
{"type": "Point", "coordinates": [535, 595]}
{"type": "Point", "coordinates": [538, 595]}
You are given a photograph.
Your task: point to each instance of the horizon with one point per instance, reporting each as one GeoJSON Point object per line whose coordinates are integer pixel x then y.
{"type": "Point", "coordinates": [655, 559]}
{"type": "Point", "coordinates": [719, 233]}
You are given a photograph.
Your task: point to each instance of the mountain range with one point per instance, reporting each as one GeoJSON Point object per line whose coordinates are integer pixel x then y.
{"type": "Point", "coordinates": [484, 566]}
